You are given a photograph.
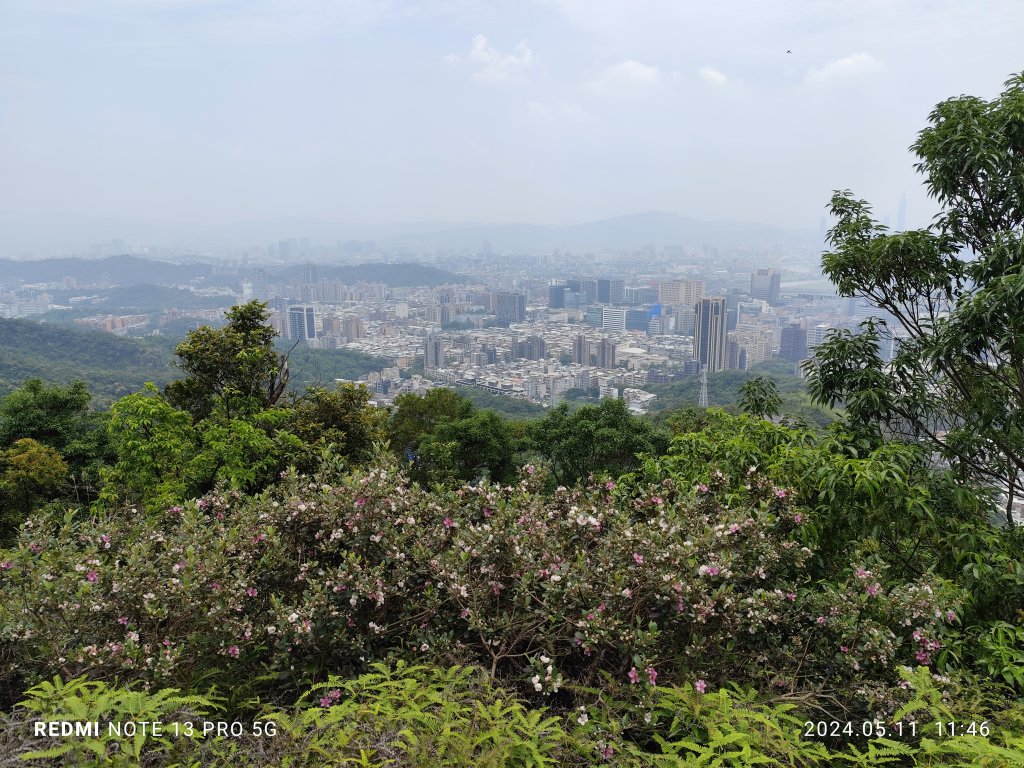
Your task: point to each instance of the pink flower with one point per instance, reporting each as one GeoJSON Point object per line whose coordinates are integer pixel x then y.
{"type": "Point", "coordinates": [791, 596]}
{"type": "Point", "coordinates": [923, 656]}
{"type": "Point", "coordinates": [634, 676]}
{"type": "Point", "coordinates": [530, 469]}
{"type": "Point", "coordinates": [702, 488]}
{"type": "Point", "coordinates": [6, 565]}
{"type": "Point", "coordinates": [360, 501]}
{"type": "Point", "coordinates": [122, 620]}
{"type": "Point", "coordinates": [92, 575]}
{"type": "Point", "coordinates": [609, 486]}
{"type": "Point", "coordinates": [449, 523]}
{"type": "Point", "coordinates": [872, 589]}
{"type": "Point", "coordinates": [821, 621]}
{"type": "Point", "coordinates": [325, 702]}
{"type": "Point", "coordinates": [700, 686]}
{"type": "Point", "coordinates": [652, 675]}
{"type": "Point", "coordinates": [780, 493]}
{"type": "Point", "coordinates": [657, 501]}
{"type": "Point", "coordinates": [861, 573]}
{"type": "Point", "coordinates": [638, 559]}
{"type": "Point", "coordinates": [607, 753]}
{"type": "Point", "coordinates": [734, 528]}
{"type": "Point", "coordinates": [233, 651]}
{"type": "Point", "coordinates": [215, 586]}
{"type": "Point", "coordinates": [259, 537]}
{"type": "Point", "coordinates": [798, 518]}
{"type": "Point", "coordinates": [843, 649]}
{"type": "Point", "coordinates": [950, 616]}
{"type": "Point", "coordinates": [251, 592]}
{"type": "Point", "coordinates": [487, 512]}
{"type": "Point", "coordinates": [34, 548]}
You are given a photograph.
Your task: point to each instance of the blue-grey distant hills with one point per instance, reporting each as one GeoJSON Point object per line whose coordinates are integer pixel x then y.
{"type": "Point", "coordinates": [620, 232]}
{"type": "Point", "coordinates": [43, 236]}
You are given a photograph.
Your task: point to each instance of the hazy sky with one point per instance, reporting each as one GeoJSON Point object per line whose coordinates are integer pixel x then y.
{"type": "Point", "coordinates": [547, 111]}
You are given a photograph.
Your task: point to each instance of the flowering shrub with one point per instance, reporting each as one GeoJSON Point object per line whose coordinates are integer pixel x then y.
{"type": "Point", "coordinates": [655, 582]}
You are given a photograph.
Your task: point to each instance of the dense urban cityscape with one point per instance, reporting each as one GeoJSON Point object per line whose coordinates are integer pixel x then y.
{"type": "Point", "coordinates": [530, 327]}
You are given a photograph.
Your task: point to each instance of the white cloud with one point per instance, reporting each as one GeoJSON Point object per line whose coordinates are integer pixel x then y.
{"type": "Point", "coordinates": [627, 73]}
{"type": "Point", "coordinates": [850, 66]}
{"type": "Point", "coordinates": [492, 66]}
{"type": "Point", "coordinates": [712, 75]}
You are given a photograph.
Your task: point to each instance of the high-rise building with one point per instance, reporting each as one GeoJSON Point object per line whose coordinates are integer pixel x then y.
{"type": "Point", "coordinates": [613, 319]}
{"type": "Point", "coordinates": [610, 291]}
{"type": "Point", "coordinates": [589, 287]}
{"type": "Point", "coordinates": [616, 291]}
{"type": "Point", "coordinates": [536, 348]}
{"type": "Point", "coordinates": [353, 327]}
{"type": "Point", "coordinates": [765, 285]}
{"type": "Point", "coordinates": [556, 296]}
{"type": "Point", "coordinates": [310, 274]}
{"type": "Point", "coordinates": [433, 353]}
{"type": "Point", "coordinates": [332, 325]}
{"type": "Point", "coordinates": [605, 353]}
{"type": "Point", "coordinates": [301, 323]}
{"type": "Point", "coordinates": [709, 344]}
{"type": "Point", "coordinates": [793, 343]}
{"type": "Point", "coordinates": [510, 308]}
{"type": "Point", "coordinates": [581, 350]}
{"type": "Point", "coordinates": [682, 291]}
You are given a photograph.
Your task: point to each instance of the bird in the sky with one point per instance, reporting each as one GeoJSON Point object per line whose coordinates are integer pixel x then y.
{"type": "Point", "coordinates": [788, 51]}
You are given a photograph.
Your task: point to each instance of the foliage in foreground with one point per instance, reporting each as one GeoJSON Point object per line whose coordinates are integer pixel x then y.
{"type": "Point", "coordinates": [427, 717]}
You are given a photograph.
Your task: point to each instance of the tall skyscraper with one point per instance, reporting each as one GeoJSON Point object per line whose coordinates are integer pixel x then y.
{"type": "Point", "coordinates": [765, 285]}
{"type": "Point", "coordinates": [353, 327]}
{"type": "Point", "coordinates": [556, 296]}
{"type": "Point", "coordinates": [433, 353]}
{"type": "Point", "coordinates": [581, 350]}
{"type": "Point", "coordinates": [709, 344]}
{"type": "Point", "coordinates": [536, 348]}
{"type": "Point", "coordinates": [683, 291]}
{"type": "Point", "coordinates": [793, 343]}
{"type": "Point", "coordinates": [510, 308]}
{"type": "Point", "coordinates": [301, 323]}
{"type": "Point", "coordinates": [310, 274]}
{"type": "Point", "coordinates": [606, 353]}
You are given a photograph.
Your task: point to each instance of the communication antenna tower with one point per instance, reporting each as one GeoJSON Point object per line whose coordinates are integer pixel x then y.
{"type": "Point", "coordinates": [703, 402]}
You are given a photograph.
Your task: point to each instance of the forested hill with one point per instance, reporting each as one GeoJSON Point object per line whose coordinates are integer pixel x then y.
{"type": "Point", "coordinates": [126, 270]}
{"type": "Point", "coordinates": [110, 365]}
{"type": "Point", "coordinates": [113, 367]}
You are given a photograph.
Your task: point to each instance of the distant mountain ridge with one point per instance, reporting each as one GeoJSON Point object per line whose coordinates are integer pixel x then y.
{"type": "Point", "coordinates": [619, 232]}
{"type": "Point", "coordinates": [37, 234]}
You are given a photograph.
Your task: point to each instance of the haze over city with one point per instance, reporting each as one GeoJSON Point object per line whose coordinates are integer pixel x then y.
{"type": "Point", "coordinates": [191, 122]}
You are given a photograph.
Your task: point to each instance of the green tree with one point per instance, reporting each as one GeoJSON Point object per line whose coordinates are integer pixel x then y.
{"type": "Point", "coordinates": [417, 415]}
{"type": "Point", "coordinates": [482, 445]}
{"type": "Point", "coordinates": [594, 438]}
{"type": "Point", "coordinates": [61, 418]}
{"type": "Point", "coordinates": [760, 397]}
{"type": "Point", "coordinates": [341, 418]}
{"type": "Point", "coordinates": [31, 473]}
{"type": "Point", "coordinates": [236, 367]}
{"type": "Point", "coordinates": [952, 294]}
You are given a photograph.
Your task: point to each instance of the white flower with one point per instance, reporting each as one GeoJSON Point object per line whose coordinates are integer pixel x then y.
{"type": "Point", "coordinates": [582, 719]}
{"type": "Point", "coordinates": [271, 629]}
{"type": "Point", "coordinates": [293, 618]}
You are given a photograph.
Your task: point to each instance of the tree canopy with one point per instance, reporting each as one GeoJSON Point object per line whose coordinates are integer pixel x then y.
{"type": "Point", "coordinates": [951, 295]}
